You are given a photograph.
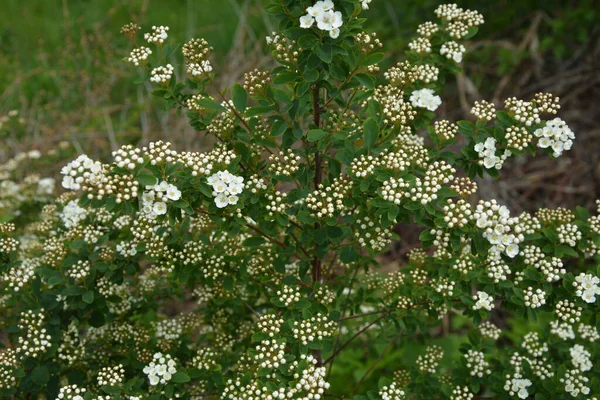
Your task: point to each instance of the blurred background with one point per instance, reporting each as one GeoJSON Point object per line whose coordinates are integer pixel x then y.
{"type": "Point", "coordinates": [62, 70]}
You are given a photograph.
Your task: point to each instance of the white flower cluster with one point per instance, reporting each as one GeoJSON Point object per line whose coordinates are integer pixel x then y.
{"type": "Point", "coordinates": [325, 16]}
{"type": "Point", "coordinates": [391, 392]}
{"type": "Point", "coordinates": [431, 359]}
{"type": "Point", "coordinates": [497, 224]}
{"type": "Point", "coordinates": [489, 330]}
{"type": "Point", "coordinates": [487, 154]}
{"type": "Point", "coordinates": [588, 332]}
{"type": "Point", "coordinates": [569, 234]}
{"type": "Point", "coordinates": [201, 68]}
{"type": "Point", "coordinates": [160, 369]}
{"type": "Point", "coordinates": [155, 198]}
{"type": "Point", "coordinates": [581, 358]}
{"type": "Point", "coordinates": [575, 383]}
{"type": "Point", "coordinates": [71, 392]}
{"type": "Point", "coordinates": [484, 300]}
{"type": "Point", "coordinates": [158, 35]}
{"type": "Point", "coordinates": [553, 269]}
{"type": "Point", "coordinates": [111, 376]}
{"type": "Point", "coordinates": [534, 298]}
{"type": "Point", "coordinates": [425, 98]}
{"type": "Point", "coordinates": [587, 287]}
{"type": "Point", "coordinates": [461, 393]}
{"type": "Point", "coordinates": [477, 364]}
{"type": "Point", "coordinates": [226, 188]}
{"type": "Point", "coordinates": [72, 214]}
{"type": "Point", "coordinates": [313, 329]}
{"type": "Point", "coordinates": [562, 329]}
{"type": "Point", "coordinates": [139, 55]}
{"type": "Point", "coordinates": [80, 270]}
{"type": "Point", "coordinates": [162, 74]}
{"type": "Point", "coordinates": [79, 170]}
{"type": "Point", "coordinates": [517, 385]}
{"type": "Point", "coordinates": [453, 51]}
{"type": "Point", "coordinates": [567, 311]}
{"type": "Point", "coordinates": [270, 354]}
{"type": "Point", "coordinates": [555, 135]}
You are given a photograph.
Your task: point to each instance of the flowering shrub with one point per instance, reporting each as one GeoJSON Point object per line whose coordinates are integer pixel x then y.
{"type": "Point", "coordinates": [251, 271]}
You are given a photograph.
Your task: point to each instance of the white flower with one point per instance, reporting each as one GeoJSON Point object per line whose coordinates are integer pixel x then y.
{"type": "Point", "coordinates": [512, 250]}
{"type": "Point", "coordinates": [232, 200]}
{"type": "Point", "coordinates": [221, 200]}
{"type": "Point", "coordinates": [173, 193]}
{"type": "Point", "coordinates": [425, 98]}
{"type": "Point", "coordinates": [160, 208]}
{"type": "Point", "coordinates": [306, 21]}
{"type": "Point", "coordinates": [162, 187]}
{"type": "Point", "coordinates": [334, 33]}
{"type": "Point", "coordinates": [154, 380]}
{"type": "Point", "coordinates": [365, 4]}
{"type": "Point", "coordinates": [589, 296]}
{"type": "Point", "coordinates": [220, 187]}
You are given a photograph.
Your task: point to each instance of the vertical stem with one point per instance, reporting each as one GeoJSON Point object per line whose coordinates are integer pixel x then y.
{"type": "Point", "coordinates": [316, 263]}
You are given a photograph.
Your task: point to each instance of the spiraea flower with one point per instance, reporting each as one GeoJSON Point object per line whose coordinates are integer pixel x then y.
{"type": "Point", "coordinates": [425, 98]}
{"type": "Point", "coordinates": [226, 188]}
{"type": "Point", "coordinates": [326, 18]}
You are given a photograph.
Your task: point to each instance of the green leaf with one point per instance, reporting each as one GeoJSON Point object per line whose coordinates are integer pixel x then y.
{"type": "Point", "coordinates": [307, 41]}
{"type": "Point", "coordinates": [315, 134]}
{"type": "Point", "coordinates": [285, 77]}
{"type": "Point", "coordinates": [239, 97]}
{"type": "Point", "coordinates": [88, 297]}
{"type": "Point", "coordinates": [371, 132]}
{"type": "Point", "coordinates": [40, 375]}
{"type": "Point", "coordinates": [325, 52]}
{"type": "Point", "coordinates": [180, 377]}
{"type": "Point", "coordinates": [254, 241]}
{"type": "Point", "coordinates": [146, 179]}
{"type": "Point", "coordinates": [373, 59]}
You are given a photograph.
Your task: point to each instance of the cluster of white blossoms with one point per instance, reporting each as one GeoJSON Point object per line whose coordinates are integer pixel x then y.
{"type": "Point", "coordinates": [201, 68]}
{"type": "Point", "coordinates": [325, 16]}
{"type": "Point", "coordinates": [569, 234]}
{"type": "Point", "coordinates": [587, 287]}
{"type": "Point", "coordinates": [576, 383]}
{"type": "Point", "coordinates": [477, 364]}
{"type": "Point", "coordinates": [139, 55]}
{"type": "Point", "coordinates": [489, 330]}
{"type": "Point", "coordinates": [391, 392]}
{"type": "Point", "coordinates": [71, 392]}
{"type": "Point", "coordinates": [155, 198]}
{"type": "Point", "coordinates": [534, 298]}
{"type": "Point", "coordinates": [72, 214]}
{"type": "Point", "coordinates": [562, 329]}
{"type": "Point", "coordinates": [162, 74]}
{"type": "Point", "coordinates": [517, 385]}
{"type": "Point", "coordinates": [270, 354]}
{"type": "Point", "coordinates": [431, 359]}
{"type": "Point", "coordinates": [79, 170]}
{"type": "Point", "coordinates": [158, 35]}
{"type": "Point", "coordinates": [581, 358]}
{"type": "Point", "coordinates": [487, 154]}
{"type": "Point", "coordinates": [497, 225]}
{"type": "Point", "coordinates": [111, 376]}
{"type": "Point", "coordinates": [160, 369]}
{"type": "Point", "coordinates": [555, 135]}
{"type": "Point", "coordinates": [453, 51]}
{"type": "Point", "coordinates": [483, 300]}
{"type": "Point", "coordinates": [226, 187]}
{"type": "Point", "coordinates": [425, 98]}
{"type": "Point", "coordinates": [314, 329]}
